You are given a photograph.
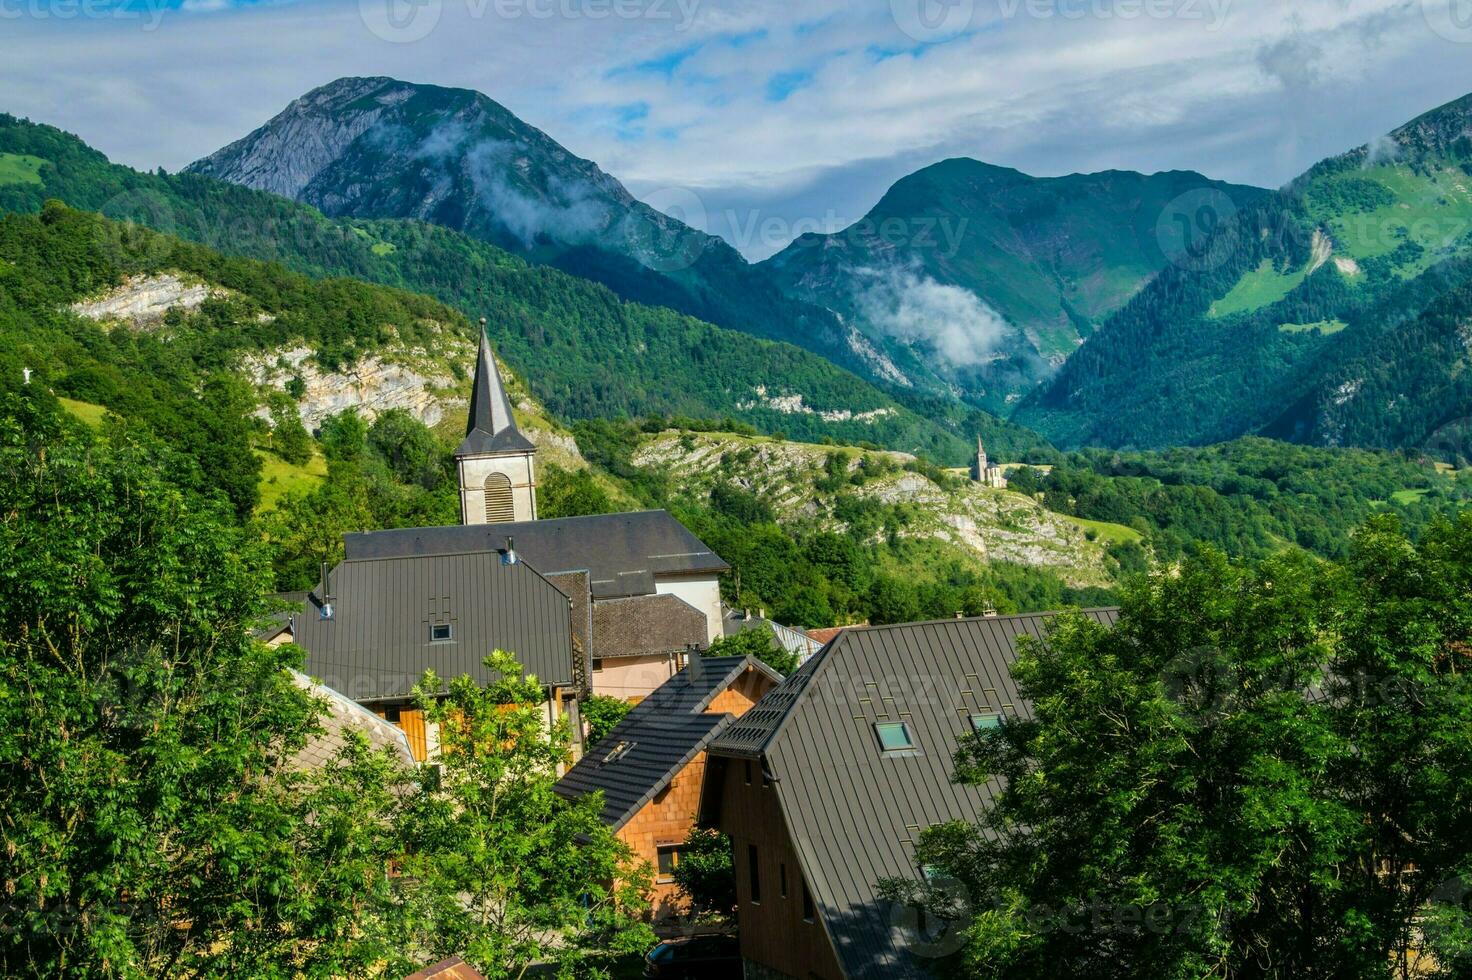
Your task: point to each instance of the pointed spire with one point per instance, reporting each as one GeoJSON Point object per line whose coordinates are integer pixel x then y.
{"type": "Point", "coordinates": [491, 428]}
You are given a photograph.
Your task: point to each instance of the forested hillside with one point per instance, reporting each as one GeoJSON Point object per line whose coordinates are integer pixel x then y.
{"type": "Point", "coordinates": [585, 352]}
{"type": "Point", "coordinates": [385, 148]}
{"type": "Point", "coordinates": [1329, 313]}
{"type": "Point", "coordinates": [985, 278]}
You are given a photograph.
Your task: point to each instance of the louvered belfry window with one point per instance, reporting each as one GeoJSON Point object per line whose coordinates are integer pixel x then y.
{"type": "Point", "coordinates": [499, 509]}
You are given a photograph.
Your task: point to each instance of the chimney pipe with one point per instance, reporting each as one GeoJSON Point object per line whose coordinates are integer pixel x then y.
{"type": "Point", "coordinates": [508, 557]}
{"type": "Point", "coordinates": [326, 612]}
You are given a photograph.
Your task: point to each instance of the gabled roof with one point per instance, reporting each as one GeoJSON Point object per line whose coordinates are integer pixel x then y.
{"type": "Point", "coordinates": [853, 813]}
{"type": "Point", "coordinates": [490, 428]}
{"type": "Point", "coordinates": [621, 552]}
{"type": "Point", "coordinates": [646, 625]}
{"type": "Point", "coordinates": [343, 715]}
{"type": "Point", "coordinates": [657, 739]}
{"type": "Point", "coordinates": [378, 643]}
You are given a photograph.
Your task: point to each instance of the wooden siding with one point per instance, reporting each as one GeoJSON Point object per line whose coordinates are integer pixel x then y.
{"type": "Point", "coordinates": [773, 932]}
{"type": "Point", "coordinates": [674, 811]}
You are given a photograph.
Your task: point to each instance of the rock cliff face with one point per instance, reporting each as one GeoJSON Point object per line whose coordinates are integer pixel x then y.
{"type": "Point", "coordinates": [980, 522]}
{"type": "Point", "coordinates": [143, 300]}
{"type": "Point", "coordinates": [312, 133]}
{"type": "Point", "coordinates": [371, 386]}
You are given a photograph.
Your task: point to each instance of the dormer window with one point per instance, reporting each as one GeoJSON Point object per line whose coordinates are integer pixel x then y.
{"type": "Point", "coordinates": [441, 633]}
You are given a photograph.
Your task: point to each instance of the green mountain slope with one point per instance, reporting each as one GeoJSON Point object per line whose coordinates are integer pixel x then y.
{"type": "Point", "coordinates": [588, 353]}
{"type": "Point", "coordinates": [384, 148]}
{"type": "Point", "coordinates": [1291, 300]}
{"type": "Point", "coordinates": [986, 278]}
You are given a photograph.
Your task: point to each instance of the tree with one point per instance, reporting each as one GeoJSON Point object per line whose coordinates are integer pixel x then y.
{"type": "Point", "coordinates": [603, 714]}
{"type": "Point", "coordinates": [705, 873]}
{"type": "Point", "coordinates": [507, 872]}
{"type": "Point", "coordinates": [148, 824]}
{"type": "Point", "coordinates": [288, 436]}
{"type": "Point", "coordinates": [411, 451]}
{"type": "Point", "coordinates": [755, 641]}
{"type": "Point", "coordinates": [575, 493]}
{"type": "Point", "coordinates": [1235, 780]}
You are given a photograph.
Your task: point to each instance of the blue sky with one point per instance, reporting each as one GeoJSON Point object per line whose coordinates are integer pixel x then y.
{"type": "Point", "coordinates": [778, 117]}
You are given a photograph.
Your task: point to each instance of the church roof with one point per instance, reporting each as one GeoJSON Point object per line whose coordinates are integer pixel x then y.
{"type": "Point", "coordinates": [491, 427]}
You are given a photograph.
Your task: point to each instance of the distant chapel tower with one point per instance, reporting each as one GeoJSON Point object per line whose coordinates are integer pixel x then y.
{"type": "Point", "coordinates": [978, 469]}
{"type": "Point", "coordinates": [497, 475]}
{"type": "Point", "coordinates": [983, 472]}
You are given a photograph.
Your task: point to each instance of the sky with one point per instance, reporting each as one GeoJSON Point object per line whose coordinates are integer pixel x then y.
{"type": "Point", "coordinates": [759, 120]}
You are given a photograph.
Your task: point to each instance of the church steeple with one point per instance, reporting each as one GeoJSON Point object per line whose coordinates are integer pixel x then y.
{"type": "Point", "coordinates": [490, 428]}
{"type": "Point", "coordinates": [495, 461]}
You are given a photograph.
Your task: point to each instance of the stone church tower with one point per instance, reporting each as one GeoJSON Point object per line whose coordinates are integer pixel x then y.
{"type": "Point", "coordinates": [985, 472]}
{"type": "Point", "coordinates": [498, 480]}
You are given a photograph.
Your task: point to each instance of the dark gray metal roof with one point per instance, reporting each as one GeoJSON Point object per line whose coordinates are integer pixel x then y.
{"type": "Point", "coordinates": [621, 552]}
{"type": "Point", "coordinates": [490, 428]}
{"type": "Point", "coordinates": [657, 738]}
{"type": "Point", "coordinates": [853, 812]}
{"type": "Point", "coordinates": [378, 642]}
{"type": "Point", "coordinates": [646, 625]}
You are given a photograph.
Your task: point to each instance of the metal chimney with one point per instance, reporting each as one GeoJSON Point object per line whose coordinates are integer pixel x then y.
{"type": "Point", "coordinates": [326, 611]}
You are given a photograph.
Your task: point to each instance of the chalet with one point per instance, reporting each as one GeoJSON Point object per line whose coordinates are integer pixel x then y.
{"type": "Point", "coordinates": [825, 786]}
{"type": "Point", "coordinates": [651, 767]}
{"type": "Point", "coordinates": [374, 625]}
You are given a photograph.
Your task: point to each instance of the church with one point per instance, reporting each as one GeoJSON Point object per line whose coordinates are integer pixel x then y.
{"type": "Point", "coordinates": [986, 473]}
{"type": "Point", "coordinates": [608, 604]}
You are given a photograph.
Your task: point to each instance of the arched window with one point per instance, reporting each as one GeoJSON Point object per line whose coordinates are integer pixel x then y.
{"type": "Point", "coordinates": [499, 508]}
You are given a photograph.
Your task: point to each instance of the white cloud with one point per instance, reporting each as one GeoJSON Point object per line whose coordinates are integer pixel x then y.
{"type": "Point", "coordinates": [1255, 98]}
{"type": "Point", "coordinates": [911, 306]}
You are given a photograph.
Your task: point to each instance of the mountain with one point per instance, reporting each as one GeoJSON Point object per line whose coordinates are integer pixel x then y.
{"type": "Point", "coordinates": [985, 279]}
{"type": "Point", "coordinates": [383, 148]}
{"type": "Point", "coordinates": [585, 352]}
{"type": "Point", "coordinates": [1330, 312]}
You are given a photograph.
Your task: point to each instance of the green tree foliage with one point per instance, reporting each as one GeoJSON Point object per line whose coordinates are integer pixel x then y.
{"type": "Point", "coordinates": [603, 713]}
{"type": "Point", "coordinates": [1247, 497]}
{"type": "Point", "coordinates": [511, 873]}
{"type": "Point", "coordinates": [588, 353]}
{"type": "Point", "coordinates": [759, 642]}
{"type": "Point", "coordinates": [570, 493]}
{"type": "Point", "coordinates": [705, 874]}
{"type": "Point", "coordinates": [148, 825]}
{"type": "Point", "coordinates": [392, 474]}
{"type": "Point", "coordinates": [1258, 772]}
{"type": "Point", "coordinates": [289, 438]}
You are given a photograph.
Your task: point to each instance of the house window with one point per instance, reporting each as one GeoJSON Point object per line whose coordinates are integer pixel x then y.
{"type": "Point", "coordinates": [597, 664]}
{"type": "Point", "coordinates": [753, 874]}
{"type": "Point", "coordinates": [981, 723]}
{"type": "Point", "coordinates": [668, 861]}
{"type": "Point", "coordinates": [894, 736]}
{"type": "Point", "coordinates": [499, 507]}
{"type": "Point", "coordinates": [782, 878]}
{"type": "Point", "coordinates": [391, 714]}
{"type": "Point", "coordinates": [807, 903]}
{"type": "Point", "coordinates": [441, 633]}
